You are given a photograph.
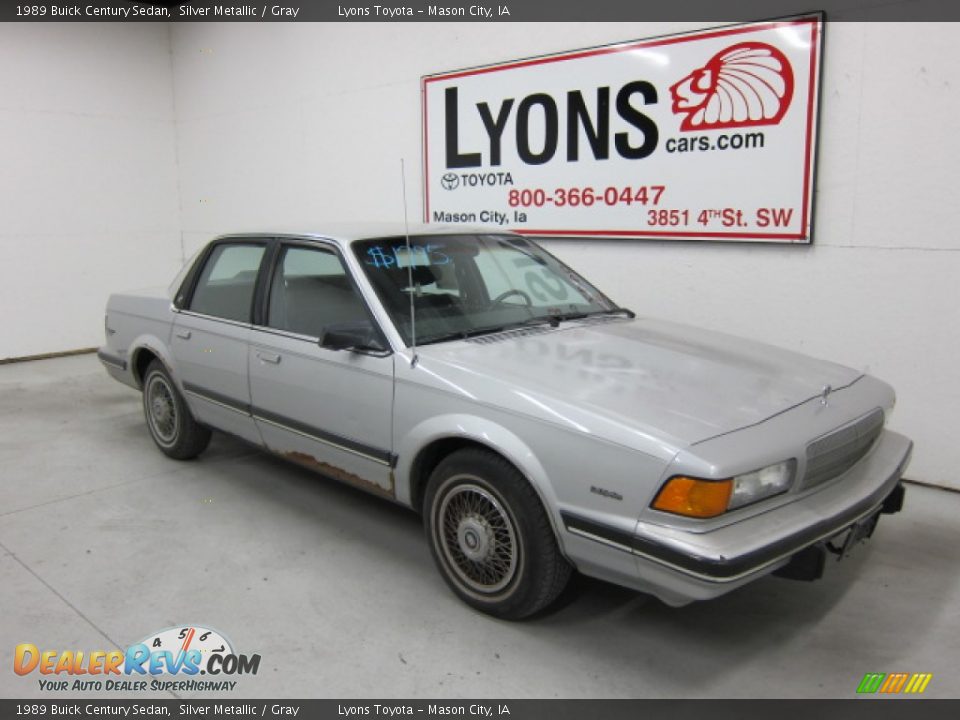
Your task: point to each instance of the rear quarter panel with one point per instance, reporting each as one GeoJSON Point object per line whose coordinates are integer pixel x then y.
{"type": "Point", "coordinates": [135, 322]}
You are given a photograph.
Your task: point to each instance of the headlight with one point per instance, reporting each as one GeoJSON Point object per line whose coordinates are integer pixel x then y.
{"type": "Point", "coordinates": [695, 497]}
{"type": "Point", "coordinates": [759, 484]}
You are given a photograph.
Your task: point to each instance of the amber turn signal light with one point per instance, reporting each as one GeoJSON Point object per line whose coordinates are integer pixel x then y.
{"type": "Point", "coordinates": [694, 498]}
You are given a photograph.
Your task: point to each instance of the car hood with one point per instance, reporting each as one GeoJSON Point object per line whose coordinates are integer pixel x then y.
{"type": "Point", "coordinates": [663, 379]}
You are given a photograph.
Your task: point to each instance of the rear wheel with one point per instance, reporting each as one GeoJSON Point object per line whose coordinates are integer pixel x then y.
{"type": "Point", "coordinates": [490, 536]}
{"type": "Point", "coordinates": [171, 425]}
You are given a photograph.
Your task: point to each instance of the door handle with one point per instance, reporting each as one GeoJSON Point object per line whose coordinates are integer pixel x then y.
{"type": "Point", "coordinates": [184, 334]}
{"type": "Point", "coordinates": [268, 357]}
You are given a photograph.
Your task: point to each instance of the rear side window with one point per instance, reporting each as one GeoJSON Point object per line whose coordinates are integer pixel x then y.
{"type": "Point", "coordinates": [226, 284]}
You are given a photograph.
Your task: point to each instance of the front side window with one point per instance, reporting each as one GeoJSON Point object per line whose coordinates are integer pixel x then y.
{"type": "Point", "coordinates": [311, 291]}
{"type": "Point", "coordinates": [464, 285]}
{"type": "Point", "coordinates": [226, 284]}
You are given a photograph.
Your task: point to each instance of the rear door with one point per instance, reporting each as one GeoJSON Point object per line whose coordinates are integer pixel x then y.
{"type": "Point", "coordinates": [210, 336]}
{"type": "Point", "coordinates": [330, 410]}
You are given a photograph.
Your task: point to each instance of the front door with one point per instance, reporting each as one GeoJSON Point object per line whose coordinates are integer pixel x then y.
{"type": "Point", "coordinates": [330, 410]}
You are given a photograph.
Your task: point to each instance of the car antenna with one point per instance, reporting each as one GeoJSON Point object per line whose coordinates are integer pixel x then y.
{"type": "Point", "coordinates": [413, 305]}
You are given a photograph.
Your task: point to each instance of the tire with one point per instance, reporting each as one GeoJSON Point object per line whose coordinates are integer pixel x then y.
{"type": "Point", "coordinates": [490, 536]}
{"type": "Point", "coordinates": [171, 425]}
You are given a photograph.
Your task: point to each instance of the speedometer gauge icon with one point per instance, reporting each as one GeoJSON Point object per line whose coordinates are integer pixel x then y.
{"type": "Point", "coordinates": [184, 638]}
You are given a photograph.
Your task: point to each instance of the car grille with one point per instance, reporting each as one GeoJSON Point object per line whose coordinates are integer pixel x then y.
{"type": "Point", "coordinates": [838, 451]}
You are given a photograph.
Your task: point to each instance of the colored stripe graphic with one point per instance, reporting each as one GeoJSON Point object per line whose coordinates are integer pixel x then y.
{"type": "Point", "coordinates": [893, 683]}
{"type": "Point", "coordinates": [918, 683]}
{"type": "Point", "coordinates": [871, 682]}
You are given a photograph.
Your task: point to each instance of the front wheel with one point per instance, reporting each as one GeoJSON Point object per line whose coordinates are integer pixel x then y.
{"type": "Point", "coordinates": [490, 536]}
{"type": "Point", "coordinates": [171, 425]}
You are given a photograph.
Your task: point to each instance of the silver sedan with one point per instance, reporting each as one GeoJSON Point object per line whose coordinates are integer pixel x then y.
{"type": "Point", "coordinates": [536, 425]}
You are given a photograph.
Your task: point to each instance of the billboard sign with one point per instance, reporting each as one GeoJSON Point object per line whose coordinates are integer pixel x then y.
{"type": "Point", "coordinates": [709, 135]}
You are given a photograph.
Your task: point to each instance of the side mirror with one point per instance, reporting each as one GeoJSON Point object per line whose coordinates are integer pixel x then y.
{"type": "Point", "coordinates": [351, 336]}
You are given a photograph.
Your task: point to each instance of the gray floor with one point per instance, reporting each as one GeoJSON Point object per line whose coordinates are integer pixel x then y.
{"type": "Point", "coordinates": [103, 540]}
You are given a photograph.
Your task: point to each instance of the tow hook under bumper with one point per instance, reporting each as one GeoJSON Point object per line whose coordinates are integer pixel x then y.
{"type": "Point", "coordinates": [894, 501]}
{"type": "Point", "coordinates": [808, 564]}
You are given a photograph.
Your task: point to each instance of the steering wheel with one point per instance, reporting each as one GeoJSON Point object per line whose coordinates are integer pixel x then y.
{"type": "Point", "coordinates": [512, 291]}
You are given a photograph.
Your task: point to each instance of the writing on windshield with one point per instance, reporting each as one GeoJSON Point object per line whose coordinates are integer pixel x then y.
{"type": "Point", "coordinates": [391, 256]}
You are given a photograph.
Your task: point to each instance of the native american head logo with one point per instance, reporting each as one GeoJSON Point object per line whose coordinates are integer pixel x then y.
{"type": "Point", "coordinates": [750, 83]}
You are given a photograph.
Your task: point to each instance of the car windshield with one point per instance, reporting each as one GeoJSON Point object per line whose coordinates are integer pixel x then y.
{"type": "Point", "coordinates": [466, 285]}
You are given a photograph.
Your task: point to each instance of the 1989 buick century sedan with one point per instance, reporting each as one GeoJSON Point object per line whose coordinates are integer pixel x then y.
{"type": "Point", "coordinates": [538, 427]}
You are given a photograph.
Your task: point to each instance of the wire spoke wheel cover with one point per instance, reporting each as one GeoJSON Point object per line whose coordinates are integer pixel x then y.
{"type": "Point", "coordinates": [477, 536]}
{"type": "Point", "coordinates": [490, 535]}
{"type": "Point", "coordinates": [171, 424]}
{"type": "Point", "coordinates": [161, 409]}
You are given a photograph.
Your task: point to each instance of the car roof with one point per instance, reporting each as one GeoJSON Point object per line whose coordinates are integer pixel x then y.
{"type": "Point", "coordinates": [345, 233]}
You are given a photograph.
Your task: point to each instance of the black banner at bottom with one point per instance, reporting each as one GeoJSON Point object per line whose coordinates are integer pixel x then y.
{"type": "Point", "coordinates": [853, 709]}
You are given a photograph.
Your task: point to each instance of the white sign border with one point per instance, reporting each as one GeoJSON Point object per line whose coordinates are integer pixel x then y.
{"type": "Point", "coordinates": [818, 18]}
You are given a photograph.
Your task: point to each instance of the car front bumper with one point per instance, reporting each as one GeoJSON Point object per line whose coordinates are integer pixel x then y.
{"type": "Point", "coordinates": [680, 566]}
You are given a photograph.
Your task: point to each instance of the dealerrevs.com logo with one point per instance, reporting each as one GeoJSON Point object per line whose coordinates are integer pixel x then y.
{"type": "Point", "coordinates": [181, 652]}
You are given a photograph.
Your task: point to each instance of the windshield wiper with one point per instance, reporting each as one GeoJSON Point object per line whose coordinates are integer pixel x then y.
{"type": "Point", "coordinates": [581, 315]}
{"type": "Point", "coordinates": [552, 320]}
{"type": "Point", "coordinates": [612, 311]}
{"type": "Point", "coordinates": [461, 335]}
{"type": "Point", "coordinates": [618, 311]}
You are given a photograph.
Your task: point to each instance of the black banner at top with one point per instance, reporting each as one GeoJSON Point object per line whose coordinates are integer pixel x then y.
{"type": "Point", "coordinates": [478, 11]}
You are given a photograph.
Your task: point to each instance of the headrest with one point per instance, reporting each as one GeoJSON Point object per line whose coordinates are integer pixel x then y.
{"type": "Point", "coordinates": [400, 276]}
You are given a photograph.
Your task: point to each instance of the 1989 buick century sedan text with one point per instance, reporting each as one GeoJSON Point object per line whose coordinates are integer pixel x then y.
{"type": "Point", "coordinates": [537, 426]}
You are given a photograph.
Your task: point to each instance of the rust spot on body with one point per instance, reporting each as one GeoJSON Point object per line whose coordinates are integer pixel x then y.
{"type": "Point", "coordinates": [342, 475]}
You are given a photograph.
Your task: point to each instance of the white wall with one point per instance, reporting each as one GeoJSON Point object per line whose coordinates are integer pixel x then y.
{"type": "Point", "coordinates": [88, 197]}
{"type": "Point", "coordinates": [304, 124]}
